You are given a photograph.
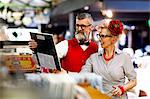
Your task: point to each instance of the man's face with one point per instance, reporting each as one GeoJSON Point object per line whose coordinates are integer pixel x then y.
{"type": "Point", "coordinates": [84, 27]}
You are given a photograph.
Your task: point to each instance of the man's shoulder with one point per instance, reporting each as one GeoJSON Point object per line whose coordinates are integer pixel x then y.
{"type": "Point", "coordinates": [94, 44]}
{"type": "Point", "coordinates": [73, 39]}
{"type": "Point", "coordinates": [64, 42]}
{"type": "Point", "coordinates": [73, 42]}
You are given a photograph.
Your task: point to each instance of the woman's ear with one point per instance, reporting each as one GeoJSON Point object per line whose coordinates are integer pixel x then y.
{"type": "Point", "coordinates": [115, 39]}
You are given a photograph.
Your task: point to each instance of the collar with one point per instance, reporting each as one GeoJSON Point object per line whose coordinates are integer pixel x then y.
{"type": "Point", "coordinates": [117, 51]}
{"type": "Point", "coordinates": [83, 43]}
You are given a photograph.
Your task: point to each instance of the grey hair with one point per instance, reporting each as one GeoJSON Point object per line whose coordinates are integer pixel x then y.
{"type": "Point", "coordinates": [83, 16]}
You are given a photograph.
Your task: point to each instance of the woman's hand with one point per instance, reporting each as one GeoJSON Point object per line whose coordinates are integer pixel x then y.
{"type": "Point", "coordinates": [32, 44]}
{"type": "Point", "coordinates": [117, 91]}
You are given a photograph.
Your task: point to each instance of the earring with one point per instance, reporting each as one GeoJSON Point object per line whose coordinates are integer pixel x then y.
{"type": "Point", "coordinates": [113, 41]}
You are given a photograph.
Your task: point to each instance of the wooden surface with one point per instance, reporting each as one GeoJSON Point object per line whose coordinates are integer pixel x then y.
{"type": "Point", "coordinates": [94, 93]}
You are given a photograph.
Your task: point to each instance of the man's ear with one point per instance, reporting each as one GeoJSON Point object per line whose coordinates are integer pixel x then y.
{"type": "Point", "coordinates": [92, 27]}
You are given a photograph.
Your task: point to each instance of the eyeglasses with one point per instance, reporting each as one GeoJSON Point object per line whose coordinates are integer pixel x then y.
{"type": "Point", "coordinates": [82, 25]}
{"type": "Point", "coordinates": [103, 36]}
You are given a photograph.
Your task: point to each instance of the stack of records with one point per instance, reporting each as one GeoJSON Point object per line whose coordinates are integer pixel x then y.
{"type": "Point", "coordinates": [58, 86]}
{"type": "Point", "coordinates": [91, 78]}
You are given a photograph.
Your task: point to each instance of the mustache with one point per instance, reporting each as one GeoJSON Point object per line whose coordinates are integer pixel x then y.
{"type": "Point", "coordinates": [77, 32]}
{"type": "Point", "coordinates": [81, 36]}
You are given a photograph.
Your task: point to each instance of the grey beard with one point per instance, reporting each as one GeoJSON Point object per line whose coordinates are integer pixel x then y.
{"type": "Point", "coordinates": [81, 37]}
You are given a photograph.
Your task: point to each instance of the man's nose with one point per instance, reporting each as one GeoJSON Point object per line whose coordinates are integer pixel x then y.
{"type": "Point", "coordinates": [80, 28]}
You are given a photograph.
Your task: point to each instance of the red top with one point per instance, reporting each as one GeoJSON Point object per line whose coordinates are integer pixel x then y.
{"type": "Point", "coordinates": [76, 56]}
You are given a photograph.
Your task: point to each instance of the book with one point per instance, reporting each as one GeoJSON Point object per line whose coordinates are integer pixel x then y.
{"type": "Point", "coordinates": [45, 52]}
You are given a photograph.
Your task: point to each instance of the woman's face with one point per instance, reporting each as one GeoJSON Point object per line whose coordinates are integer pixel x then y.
{"type": "Point", "coordinates": [106, 38]}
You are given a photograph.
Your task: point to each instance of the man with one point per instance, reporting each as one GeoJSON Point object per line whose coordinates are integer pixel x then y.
{"type": "Point", "coordinates": [73, 53]}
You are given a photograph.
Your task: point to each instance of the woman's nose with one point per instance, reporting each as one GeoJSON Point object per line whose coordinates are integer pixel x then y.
{"type": "Point", "coordinates": [100, 39]}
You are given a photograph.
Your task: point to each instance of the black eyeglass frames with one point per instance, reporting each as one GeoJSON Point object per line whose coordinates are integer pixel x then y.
{"type": "Point", "coordinates": [82, 25]}
{"type": "Point", "coordinates": [103, 36]}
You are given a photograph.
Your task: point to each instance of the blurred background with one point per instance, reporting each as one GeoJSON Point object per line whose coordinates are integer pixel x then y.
{"type": "Point", "coordinates": [58, 17]}
{"type": "Point", "coordinates": [20, 17]}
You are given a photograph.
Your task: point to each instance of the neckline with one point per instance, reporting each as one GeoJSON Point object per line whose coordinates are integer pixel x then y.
{"type": "Point", "coordinates": [108, 59]}
{"type": "Point", "coordinates": [83, 45]}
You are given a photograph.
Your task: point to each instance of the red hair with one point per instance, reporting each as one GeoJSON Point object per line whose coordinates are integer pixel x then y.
{"type": "Point", "coordinates": [115, 27]}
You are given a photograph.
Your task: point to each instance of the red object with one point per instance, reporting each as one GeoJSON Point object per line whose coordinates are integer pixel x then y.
{"type": "Point", "coordinates": [76, 56]}
{"type": "Point", "coordinates": [122, 89]}
{"type": "Point", "coordinates": [115, 27]}
{"type": "Point", "coordinates": [108, 59]}
{"type": "Point", "coordinates": [44, 70]}
{"type": "Point", "coordinates": [142, 93]}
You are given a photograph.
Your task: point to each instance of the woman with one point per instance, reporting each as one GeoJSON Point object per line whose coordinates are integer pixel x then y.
{"type": "Point", "coordinates": [111, 63]}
